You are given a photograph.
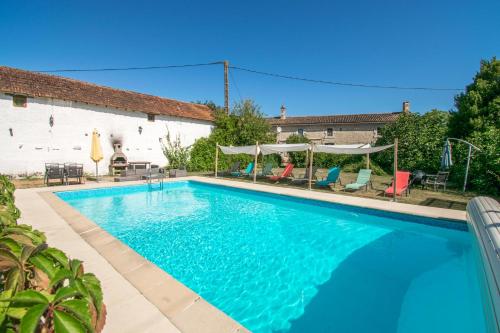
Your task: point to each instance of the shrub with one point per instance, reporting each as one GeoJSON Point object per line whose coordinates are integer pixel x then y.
{"type": "Point", "coordinates": [298, 158]}
{"type": "Point", "coordinates": [177, 155]}
{"type": "Point", "coordinates": [244, 126]}
{"type": "Point", "coordinates": [42, 290]}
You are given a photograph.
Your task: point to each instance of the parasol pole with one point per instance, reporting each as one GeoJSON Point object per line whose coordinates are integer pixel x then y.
{"type": "Point", "coordinates": [216, 157]}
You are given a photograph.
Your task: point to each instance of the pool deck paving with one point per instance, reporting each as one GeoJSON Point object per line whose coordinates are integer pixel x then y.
{"type": "Point", "coordinates": [140, 297]}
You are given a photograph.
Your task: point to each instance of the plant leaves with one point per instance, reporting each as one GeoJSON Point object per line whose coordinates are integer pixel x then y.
{"type": "Point", "coordinates": [31, 319]}
{"type": "Point", "coordinates": [45, 264]}
{"type": "Point", "coordinates": [58, 255]}
{"type": "Point", "coordinates": [64, 293]}
{"type": "Point", "coordinates": [60, 276]}
{"type": "Point", "coordinates": [29, 297]}
{"type": "Point", "coordinates": [79, 308]}
{"type": "Point", "coordinates": [66, 323]}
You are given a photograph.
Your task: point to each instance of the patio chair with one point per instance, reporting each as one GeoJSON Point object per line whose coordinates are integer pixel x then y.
{"type": "Point", "coordinates": [266, 171]}
{"type": "Point", "coordinates": [305, 178]}
{"type": "Point", "coordinates": [437, 180]}
{"type": "Point", "coordinates": [362, 181]}
{"type": "Point", "coordinates": [53, 171]}
{"type": "Point", "coordinates": [285, 174]}
{"type": "Point", "coordinates": [233, 168]}
{"type": "Point", "coordinates": [247, 171]}
{"type": "Point", "coordinates": [402, 184]}
{"type": "Point", "coordinates": [332, 177]}
{"type": "Point", "coordinates": [73, 171]}
{"type": "Point", "coordinates": [417, 178]}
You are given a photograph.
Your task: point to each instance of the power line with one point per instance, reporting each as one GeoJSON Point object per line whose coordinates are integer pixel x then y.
{"type": "Point", "coordinates": [341, 83]}
{"type": "Point", "coordinates": [127, 68]}
{"type": "Point", "coordinates": [236, 85]}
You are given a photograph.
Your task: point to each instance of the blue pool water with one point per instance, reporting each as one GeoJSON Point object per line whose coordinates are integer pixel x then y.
{"type": "Point", "coordinates": [278, 264]}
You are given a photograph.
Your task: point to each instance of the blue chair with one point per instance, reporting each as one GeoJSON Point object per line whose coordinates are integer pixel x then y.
{"type": "Point", "coordinates": [247, 171]}
{"type": "Point", "coordinates": [332, 178]}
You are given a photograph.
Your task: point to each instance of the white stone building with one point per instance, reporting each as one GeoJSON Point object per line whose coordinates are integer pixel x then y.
{"type": "Point", "coordinates": [46, 118]}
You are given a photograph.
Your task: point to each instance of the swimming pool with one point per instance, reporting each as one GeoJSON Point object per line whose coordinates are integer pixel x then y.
{"type": "Point", "coordinates": [277, 263]}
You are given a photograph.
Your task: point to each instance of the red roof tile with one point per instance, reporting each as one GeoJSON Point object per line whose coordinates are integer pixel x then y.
{"type": "Point", "coordinates": [16, 81]}
{"type": "Point", "coordinates": [338, 119]}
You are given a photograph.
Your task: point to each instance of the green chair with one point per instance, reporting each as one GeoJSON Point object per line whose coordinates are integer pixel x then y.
{"type": "Point", "coordinates": [362, 181]}
{"type": "Point", "coordinates": [247, 171]}
{"type": "Point", "coordinates": [266, 171]}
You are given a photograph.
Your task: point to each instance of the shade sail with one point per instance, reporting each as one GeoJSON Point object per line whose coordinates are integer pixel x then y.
{"type": "Point", "coordinates": [281, 148]}
{"type": "Point", "coordinates": [249, 150]}
{"type": "Point", "coordinates": [330, 149]}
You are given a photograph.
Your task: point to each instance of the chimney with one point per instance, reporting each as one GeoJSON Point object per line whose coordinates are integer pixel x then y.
{"type": "Point", "coordinates": [283, 112]}
{"type": "Point", "coordinates": [406, 107]}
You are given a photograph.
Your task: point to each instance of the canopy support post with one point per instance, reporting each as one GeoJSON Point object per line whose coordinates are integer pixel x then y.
{"type": "Point", "coordinates": [255, 161]}
{"type": "Point", "coordinates": [467, 168]}
{"type": "Point", "coordinates": [216, 157]}
{"type": "Point", "coordinates": [368, 160]}
{"type": "Point", "coordinates": [310, 166]}
{"type": "Point", "coordinates": [395, 169]}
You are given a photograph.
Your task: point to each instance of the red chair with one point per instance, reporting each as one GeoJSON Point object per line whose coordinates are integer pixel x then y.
{"type": "Point", "coordinates": [402, 184]}
{"type": "Point", "coordinates": [286, 173]}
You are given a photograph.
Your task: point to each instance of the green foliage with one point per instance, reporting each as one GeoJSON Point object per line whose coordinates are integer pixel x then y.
{"type": "Point", "coordinates": [41, 289]}
{"type": "Point", "coordinates": [298, 158]}
{"type": "Point", "coordinates": [244, 126]}
{"type": "Point", "coordinates": [176, 154]}
{"type": "Point", "coordinates": [477, 120]}
{"type": "Point", "coordinates": [420, 141]}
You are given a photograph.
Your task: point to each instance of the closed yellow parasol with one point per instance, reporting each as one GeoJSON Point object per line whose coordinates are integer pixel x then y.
{"type": "Point", "coordinates": [96, 151]}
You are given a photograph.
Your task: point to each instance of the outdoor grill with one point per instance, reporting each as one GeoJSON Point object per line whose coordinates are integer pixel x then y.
{"type": "Point", "coordinates": [118, 161]}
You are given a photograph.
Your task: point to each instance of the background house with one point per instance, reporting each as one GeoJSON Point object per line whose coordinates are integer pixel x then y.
{"type": "Point", "coordinates": [47, 118]}
{"type": "Point", "coordinates": [334, 129]}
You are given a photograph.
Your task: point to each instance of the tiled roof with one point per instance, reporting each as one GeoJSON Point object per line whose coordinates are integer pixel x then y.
{"type": "Point", "coordinates": [337, 119]}
{"type": "Point", "coordinates": [16, 81]}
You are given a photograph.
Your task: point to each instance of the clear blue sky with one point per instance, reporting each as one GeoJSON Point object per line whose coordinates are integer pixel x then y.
{"type": "Point", "coordinates": [406, 43]}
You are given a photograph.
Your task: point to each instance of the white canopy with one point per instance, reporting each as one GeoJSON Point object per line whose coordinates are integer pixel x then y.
{"type": "Point", "coordinates": [249, 150]}
{"type": "Point", "coordinates": [331, 149]}
{"type": "Point", "coordinates": [281, 148]}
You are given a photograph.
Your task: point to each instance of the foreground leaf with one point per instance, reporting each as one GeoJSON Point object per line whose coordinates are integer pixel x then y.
{"type": "Point", "coordinates": [31, 319]}
{"type": "Point", "coordinates": [66, 323]}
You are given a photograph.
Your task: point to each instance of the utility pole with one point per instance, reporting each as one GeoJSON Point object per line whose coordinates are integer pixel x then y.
{"type": "Point", "coordinates": [226, 86]}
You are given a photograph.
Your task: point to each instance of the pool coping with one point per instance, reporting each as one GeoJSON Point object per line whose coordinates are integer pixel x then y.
{"type": "Point", "coordinates": [183, 307]}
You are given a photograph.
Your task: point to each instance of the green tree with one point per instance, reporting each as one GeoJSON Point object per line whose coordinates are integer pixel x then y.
{"type": "Point", "coordinates": [298, 158]}
{"type": "Point", "coordinates": [245, 125]}
{"type": "Point", "coordinates": [477, 120]}
{"type": "Point", "coordinates": [420, 141]}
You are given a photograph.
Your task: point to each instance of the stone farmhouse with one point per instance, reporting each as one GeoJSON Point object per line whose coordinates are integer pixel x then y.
{"type": "Point", "coordinates": [334, 129]}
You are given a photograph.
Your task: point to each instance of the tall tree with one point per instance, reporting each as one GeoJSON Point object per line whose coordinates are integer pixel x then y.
{"type": "Point", "coordinates": [477, 120]}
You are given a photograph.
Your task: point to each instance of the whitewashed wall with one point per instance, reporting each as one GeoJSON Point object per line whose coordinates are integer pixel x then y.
{"type": "Point", "coordinates": [34, 142]}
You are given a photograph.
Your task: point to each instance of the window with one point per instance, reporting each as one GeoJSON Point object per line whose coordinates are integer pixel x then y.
{"type": "Point", "coordinates": [151, 117]}
{"type": "Point", "coordinates": [300, 131]}
{"type": "Point", "coordinates": [19, 101]}
{"type": "Point", "coordinates": [329, 132]}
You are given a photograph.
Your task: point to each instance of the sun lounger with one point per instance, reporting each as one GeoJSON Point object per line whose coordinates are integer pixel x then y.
{"type": "Point", "coordinates": [286, 173]}
{"type": "Point", "coordinates": [233, 168]}
{"type": "Point", "coordinates": [247, 171]}
{"type": "Point", "coordinates": [362, 181]}
{"type": "Point", "coordinates": [266, 171]}
{"type": "Point", "coordinates": [332, 178]}
{"type": "Point", "coordinates": [402, 184]}
{"type": "Point", "coordinates": [305, 178]}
